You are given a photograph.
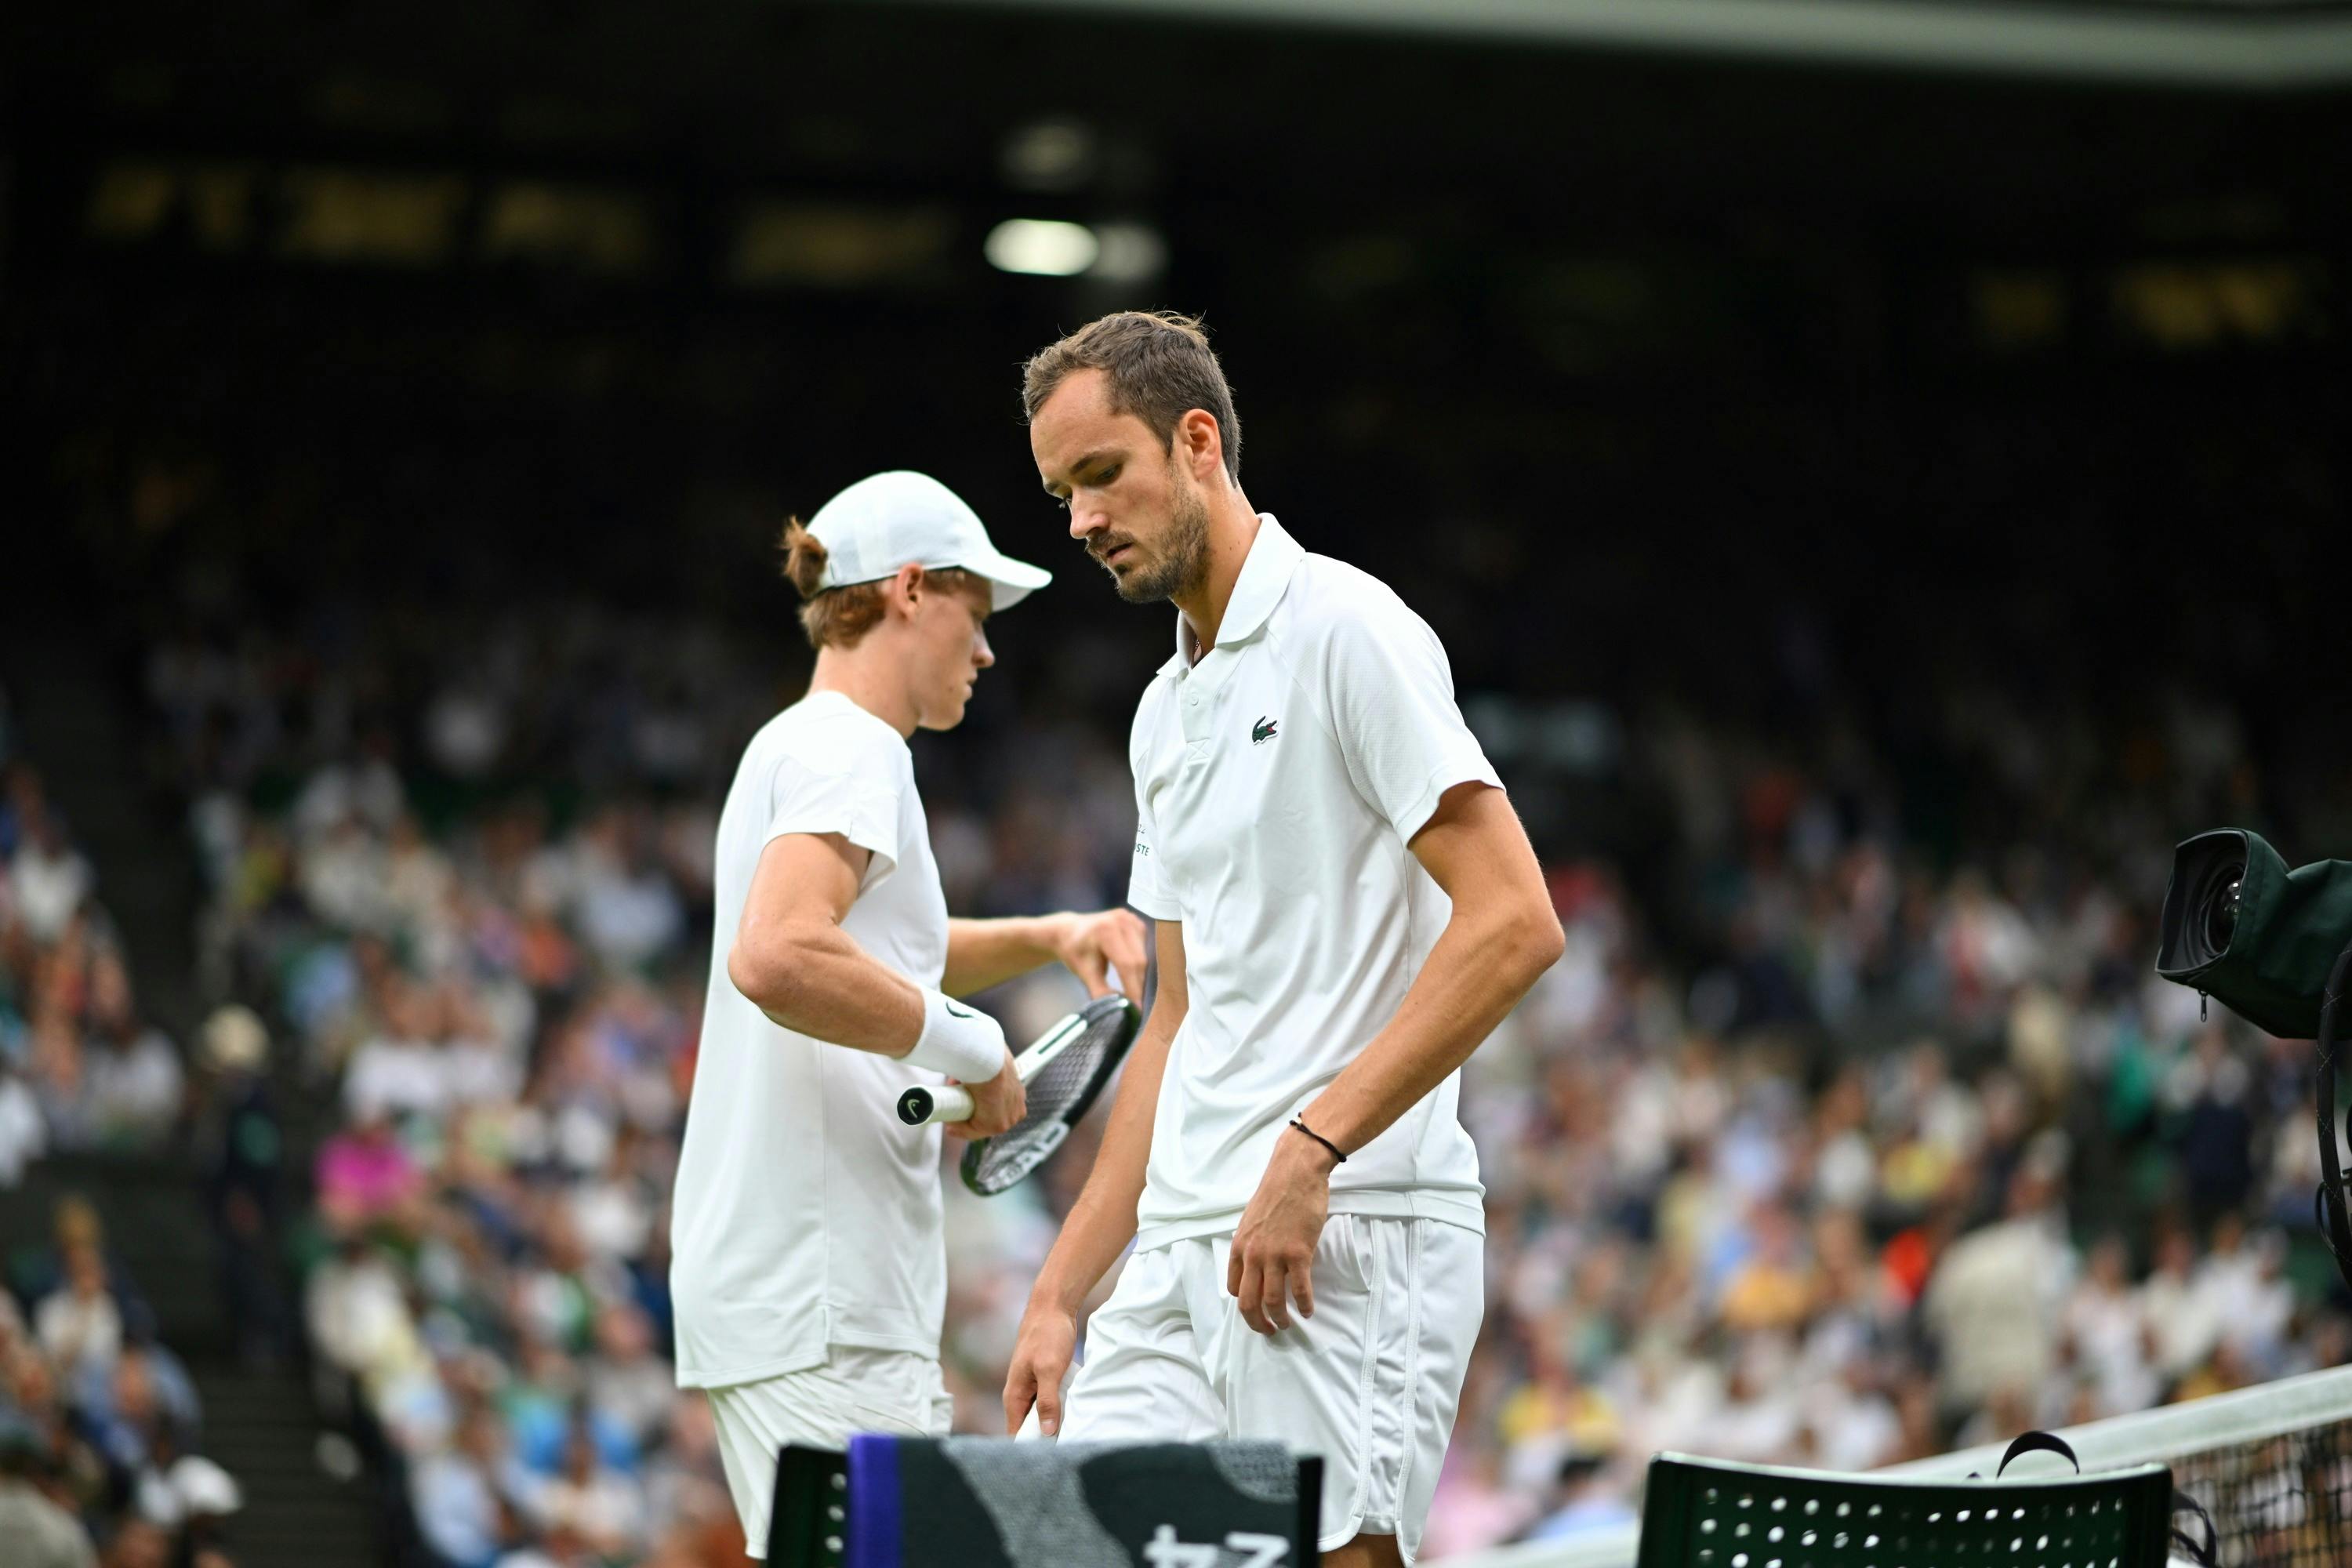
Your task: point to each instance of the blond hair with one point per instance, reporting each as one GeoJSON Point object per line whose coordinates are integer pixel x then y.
{"type": "Point", "coordinates": [839, 616]}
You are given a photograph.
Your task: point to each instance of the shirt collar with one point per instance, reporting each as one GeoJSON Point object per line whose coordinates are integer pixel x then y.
{"type": "Point", "coordinates": [1272, 556]}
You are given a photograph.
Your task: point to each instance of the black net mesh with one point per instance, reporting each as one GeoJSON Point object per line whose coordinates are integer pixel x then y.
{"type": "Point", "coordinates": [1058, 1095]}
{"type": "Point", "coordinates": [2283, 1501]}
{"type": "Point", "coordinates": [2270, 1465]}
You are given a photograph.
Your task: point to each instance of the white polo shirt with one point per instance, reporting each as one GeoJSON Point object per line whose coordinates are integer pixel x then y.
{"type": "Point", "coordinates": [1278, 783]}
{"type": "Point", "coordinates": [805, 1214]}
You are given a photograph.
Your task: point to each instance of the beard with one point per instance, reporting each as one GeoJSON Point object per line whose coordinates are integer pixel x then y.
{"type": "Point", "coordinates": [1184, 558]}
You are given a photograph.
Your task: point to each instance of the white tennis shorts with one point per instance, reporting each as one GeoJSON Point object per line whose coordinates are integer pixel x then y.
{"type": "Point", "coordinates": [1369, 1383]}
{"type": "Point", "coordinates": [823, 1407]}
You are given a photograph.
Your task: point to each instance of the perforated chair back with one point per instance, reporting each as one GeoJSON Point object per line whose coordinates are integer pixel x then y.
{"type": "Point", "coordinates": [1709, 1513]}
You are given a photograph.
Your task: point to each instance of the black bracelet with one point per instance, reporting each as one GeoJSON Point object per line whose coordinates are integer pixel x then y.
{"type": "Point", "coordinates": [1319, 1138]}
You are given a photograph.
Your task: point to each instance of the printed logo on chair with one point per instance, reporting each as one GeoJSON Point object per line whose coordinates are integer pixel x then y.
{"type": "Point", "coordinates": [986, 1502]}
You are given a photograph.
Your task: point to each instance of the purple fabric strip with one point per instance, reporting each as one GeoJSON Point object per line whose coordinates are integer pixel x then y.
{"type": "Point", "coordinates": [874, 1503]}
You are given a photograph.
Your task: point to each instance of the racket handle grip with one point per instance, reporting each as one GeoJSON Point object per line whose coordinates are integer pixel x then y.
{"type": "Point", "coordinates": [923, 1105]}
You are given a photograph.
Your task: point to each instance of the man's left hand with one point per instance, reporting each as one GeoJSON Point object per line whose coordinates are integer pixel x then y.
{"type": "Point", "coordinates": [1273, 1257]}
{"type": "Point", "coordinates": [1090, 946]}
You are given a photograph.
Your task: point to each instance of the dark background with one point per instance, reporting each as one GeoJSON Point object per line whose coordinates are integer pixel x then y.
{"type": "Point", "coordinates": [1925, 441]}
{"type": "Point", "coordinates": [1784, 391]}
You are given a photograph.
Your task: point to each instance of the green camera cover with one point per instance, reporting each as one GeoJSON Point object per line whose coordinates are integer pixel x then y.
{"type": "Point", "coordinates": [2289, 927]}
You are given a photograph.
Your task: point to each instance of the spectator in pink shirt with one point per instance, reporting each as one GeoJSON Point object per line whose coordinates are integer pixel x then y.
{"type": "Point", "coordinates": [365, 1174]}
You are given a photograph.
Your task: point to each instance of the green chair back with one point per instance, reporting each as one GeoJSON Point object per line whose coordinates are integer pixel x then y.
{"type": "Point", "coordinates": [1709, 1513]}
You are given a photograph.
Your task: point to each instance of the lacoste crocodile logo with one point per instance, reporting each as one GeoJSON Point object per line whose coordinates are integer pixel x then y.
{"type": "Point", "coordinates": [1262, 731]}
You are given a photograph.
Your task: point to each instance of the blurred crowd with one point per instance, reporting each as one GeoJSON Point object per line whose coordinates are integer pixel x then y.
{"type": "Point", "coordinates": [1828, 1145]}
{"type": "Point", "coordinates": [100, 1432]}
{"type": "Point", "coordinates": [1894, 1154]}
{"type": "Point", "coordinates": [80, 1068]}
{"type": "Point", "coordinates": [497, 988]}
{"type": "Point", "coordinates": [99, 1425]}
{"type": "Point", "coordinates": [501, 1014]}
{"type": "Point", "coordinates": [1746, 1249]}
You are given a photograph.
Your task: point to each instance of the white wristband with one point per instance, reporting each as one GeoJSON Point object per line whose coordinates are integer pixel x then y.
{"type": "Point", "coordinates": [963, 1042]}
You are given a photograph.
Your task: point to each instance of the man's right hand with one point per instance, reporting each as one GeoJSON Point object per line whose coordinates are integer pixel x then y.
{"type": "Point", "coordinates": [997, 1105]}
{"type": "Point", "coordinates": [1041, 1359]}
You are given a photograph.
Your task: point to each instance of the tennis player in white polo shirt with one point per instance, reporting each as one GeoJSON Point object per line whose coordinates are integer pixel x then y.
{"type": "Point", "coordinates": [809, 1266]}
{"type": "Point", "coordinates": [1347, 906]}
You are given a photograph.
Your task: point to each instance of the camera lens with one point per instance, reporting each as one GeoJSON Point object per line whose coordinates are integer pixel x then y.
{"type": "Point", "coordinates": [2222, 907]}
{"type": "Point", "coordinates": [2217, 883]}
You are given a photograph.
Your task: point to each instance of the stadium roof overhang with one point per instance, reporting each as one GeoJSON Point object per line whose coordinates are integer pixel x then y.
{"type": "Point", "coordinates": [2244, 45]}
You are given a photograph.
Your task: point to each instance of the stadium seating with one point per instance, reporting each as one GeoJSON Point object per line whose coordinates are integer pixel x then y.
{"type": "Point", "coordinates": [1764, 1168]}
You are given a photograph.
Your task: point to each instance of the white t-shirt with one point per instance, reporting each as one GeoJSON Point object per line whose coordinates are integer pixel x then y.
{"type": "Point", "coordinates": [1278, 783]}
{"type": "Point", "coordinates": [806, 1214]}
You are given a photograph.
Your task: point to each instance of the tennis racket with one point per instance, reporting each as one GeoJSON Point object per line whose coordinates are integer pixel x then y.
{"type": "Point", "coordinates": [1061, 1074]}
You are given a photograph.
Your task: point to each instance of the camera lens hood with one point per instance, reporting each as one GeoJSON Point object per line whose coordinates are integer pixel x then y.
{"type": "Point", "coordinates": [2242, 927]}
{"type": "Point", "coordinates": [2202, 903]}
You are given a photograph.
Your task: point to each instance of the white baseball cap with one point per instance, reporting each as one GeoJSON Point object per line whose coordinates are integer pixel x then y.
{"type": "Point", "coordinates": [887, 521]}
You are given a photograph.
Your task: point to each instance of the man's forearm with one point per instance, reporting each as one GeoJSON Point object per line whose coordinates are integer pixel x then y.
{"type": "Point", "coordinates": [981, 953]}
{"type": "Point", "coordinates": [818, 981]}
{"type": "Point", "coordinates": [1102, 1222]}
{"type": "Point", "coordinates": [1474, 975]}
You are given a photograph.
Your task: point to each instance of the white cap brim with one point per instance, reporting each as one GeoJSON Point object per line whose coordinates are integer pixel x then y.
{"type": "Point", "coordinates": [1010, 581]}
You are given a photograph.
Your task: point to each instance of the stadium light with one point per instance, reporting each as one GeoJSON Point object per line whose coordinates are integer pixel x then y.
{"type": "Point", "coordinates": [1049, 156]}
{"type": "Point", "coordinates": [1042, 247]}
{"type": "Point", "coordinates": [1130, 253]}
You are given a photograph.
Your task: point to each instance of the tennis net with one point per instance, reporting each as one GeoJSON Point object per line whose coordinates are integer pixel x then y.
{"type": "Point", "coordinates": [2272, 1465]}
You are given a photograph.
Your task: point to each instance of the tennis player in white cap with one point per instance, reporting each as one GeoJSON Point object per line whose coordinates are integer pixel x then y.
{"type": "Point", "coordinates": [809, 1267]}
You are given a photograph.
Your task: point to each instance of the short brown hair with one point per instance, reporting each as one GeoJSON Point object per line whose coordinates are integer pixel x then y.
{"type": "Point", "coordinates": [1160, 367]}
{"type": "Point", "coordinates": [838, 618]}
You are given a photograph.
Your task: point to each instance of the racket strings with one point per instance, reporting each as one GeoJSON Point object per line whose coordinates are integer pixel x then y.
{"type": "Point", "coordinates": [1072, 1075]}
